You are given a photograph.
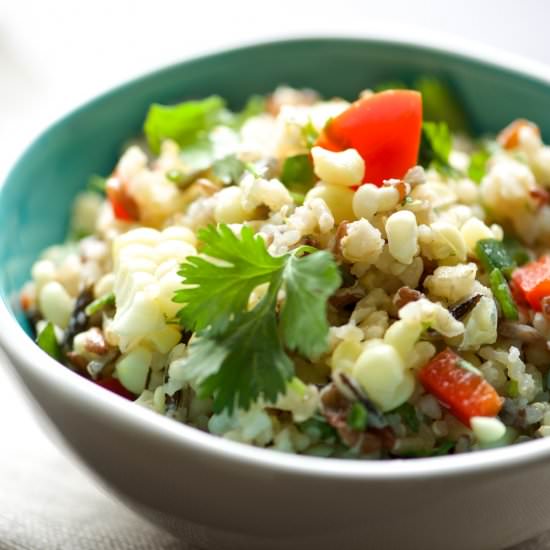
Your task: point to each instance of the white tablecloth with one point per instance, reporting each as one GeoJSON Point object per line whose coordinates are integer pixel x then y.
{"type": "Point", "coordinates": [54, 55]}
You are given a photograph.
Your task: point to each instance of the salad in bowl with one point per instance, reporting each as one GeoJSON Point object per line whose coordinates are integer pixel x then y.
{"type": "Point", "coordinates": [358, 279]}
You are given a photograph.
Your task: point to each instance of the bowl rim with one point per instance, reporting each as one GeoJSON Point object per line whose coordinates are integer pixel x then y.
{"type": "Point", "coordinates": [27, 356]}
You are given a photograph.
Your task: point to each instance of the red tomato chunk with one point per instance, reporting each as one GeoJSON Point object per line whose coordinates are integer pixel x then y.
{"type": "Point", "coordinates": [385, 129]}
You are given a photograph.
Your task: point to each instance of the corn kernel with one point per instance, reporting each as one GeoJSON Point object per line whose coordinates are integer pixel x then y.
{"type": "Point", "coordinates": [338, 168]}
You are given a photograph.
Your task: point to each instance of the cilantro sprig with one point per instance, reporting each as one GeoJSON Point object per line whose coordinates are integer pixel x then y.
{"type": "Point", "coordinates": [436, 146]}
{"type": "Point", "coordinates": [239, 353]}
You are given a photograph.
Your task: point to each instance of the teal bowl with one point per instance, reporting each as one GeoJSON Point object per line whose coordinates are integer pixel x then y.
{"type": "Point", "coordinates": [222, 495]}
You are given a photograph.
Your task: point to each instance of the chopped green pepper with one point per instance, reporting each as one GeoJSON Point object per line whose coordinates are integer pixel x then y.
{"type": "Point", "coordinates": [512, 388]}
{"type": "Point", "coordinates": [502, 293]}
{"type": "Point", "coordinates": [493, 254]}
{"type": "Point", "coordinates": [515, 250]}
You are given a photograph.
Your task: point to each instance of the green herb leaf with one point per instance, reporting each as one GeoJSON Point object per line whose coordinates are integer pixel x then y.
{"type": "Point", "coordinates": [358, 417]}
{"type": "Point", "coordinates": [184, 123]}
{"type": "Point", "coordinates": [478, 165]}
{"type": "Point", "coordinates": [439, 103]}
{"type": "Point", "coordinates": [48, 342]}
{"type": "Point", "coordinates": [309, 282]}
{"type": "Point", "coordinates": [239, 355]}
{"type": "Point", "coordinates": [297, 173]}
{"type": "Point", "coordinates": [228, 169]}
{"type": "Point", "coordinates": [107, 300]}
{"type": "Point", "coordinates": [436, 146]}
{"type": "Point", "coordinates": [502, 294]}
{"type": "Point", "coordinates": [213, 293]}
{"type": "Point", "coordinates": [254, 364]}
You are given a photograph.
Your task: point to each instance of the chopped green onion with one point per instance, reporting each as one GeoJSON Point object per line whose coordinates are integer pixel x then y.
{"type": "Point", "coordinates": [512, 388]}
{"type": "Point", "coordinates": [47, 341]}
{"type": "Point", "coordinates": [502, 293]}
{"type": "Point", "coordinates": [493, 255]}
{"type": "Point", "coordinates": [409, 417]}
{"type": "Point", "coordinates": [102, 302]}
{"type": "Point", "coordinates": [298, 198]}
{"type": "Point", "coordinates": [358, 417]}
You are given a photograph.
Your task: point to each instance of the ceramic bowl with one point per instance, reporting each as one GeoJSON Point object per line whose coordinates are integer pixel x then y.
{"type": "Point", "coordinates": [217, 494]}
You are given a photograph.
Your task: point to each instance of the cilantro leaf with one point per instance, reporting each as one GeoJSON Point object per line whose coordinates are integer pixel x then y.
{"type": "Point", "coordinates": [184, 123]}
{"type": "Point", "coordinates": [239, 355]}
{"type": "Point", "coordinates": [309, 282]}
{"type": "Point", "coordinates": [47, 341]}
{"type": "Point", "coordinates": [439, 103]}
{"type": "Point", "coordinates": [254, 363]}
{"type": "Point", "coordinates": [214, 292]}
{"type": "Point", "coordinates": [436, 146]}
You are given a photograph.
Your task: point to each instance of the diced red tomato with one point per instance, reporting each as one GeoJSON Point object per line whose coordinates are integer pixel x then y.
{"type": "Point", "coordinates": [531, 282]}
{"type": "Point", "coordinates": [113, 385]}
{"type": "Point", "coordinates": [509, 137]}
{"type": "Point", "coordinates": [385, 128]}
{"type": "Point", "coordinates": [464, 392]}
{"type": "Point", "coordinates": [124, 205]}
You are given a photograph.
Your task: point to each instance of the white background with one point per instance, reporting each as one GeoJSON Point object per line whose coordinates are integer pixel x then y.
{"type": "Point", "coordinates": [55, 54]}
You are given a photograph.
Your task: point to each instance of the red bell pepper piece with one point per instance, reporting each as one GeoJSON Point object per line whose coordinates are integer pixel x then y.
{"type": "Point", "coordinates": [385, 129]}
{"type": "Point", "coordinates": [464, 392]}
{"type": "Point", "coordinates": [531, 282]}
